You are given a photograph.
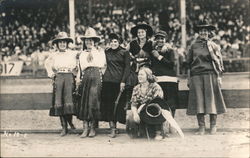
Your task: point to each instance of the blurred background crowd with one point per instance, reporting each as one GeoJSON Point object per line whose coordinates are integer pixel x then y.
{"type": "Point", "coordinates": [26, 26]}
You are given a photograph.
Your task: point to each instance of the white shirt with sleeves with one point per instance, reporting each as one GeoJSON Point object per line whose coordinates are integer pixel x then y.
{"type": "Point", "coordinates": [99, 59]}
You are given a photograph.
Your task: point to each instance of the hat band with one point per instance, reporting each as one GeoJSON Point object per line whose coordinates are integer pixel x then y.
{"type": "Point", "coordinates": [155, 107]}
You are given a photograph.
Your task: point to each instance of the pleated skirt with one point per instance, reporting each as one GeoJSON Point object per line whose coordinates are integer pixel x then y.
{"type": "Point", "coordinates": [205, 95]}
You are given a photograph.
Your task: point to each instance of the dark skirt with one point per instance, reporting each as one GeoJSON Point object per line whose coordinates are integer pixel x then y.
{"type": "Point", "coordinates": [170, 90]}
{"type": "Point", "coordinates": [110, 92]}
{"type": "Point", "coordinates": [62, 99]}
{"type": "Point", "coordinates": [88, 107]}
{"type": "Point", "coordinates": [205, 95]}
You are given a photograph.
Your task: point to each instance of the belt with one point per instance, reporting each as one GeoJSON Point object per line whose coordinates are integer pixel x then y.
{"type": "Point", "coordinates": [64, 70]}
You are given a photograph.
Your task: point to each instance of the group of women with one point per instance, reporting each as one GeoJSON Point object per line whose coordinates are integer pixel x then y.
{"type": "Point", "coordinates": [136, 86]}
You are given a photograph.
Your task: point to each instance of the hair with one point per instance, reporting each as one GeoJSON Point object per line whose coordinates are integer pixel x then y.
{"type": "Point", "coordinates": [84, 45]}
{"type": "Point", "coordinates": [62, 40]}
{"type": "Point", "coordinates": [150, 77]}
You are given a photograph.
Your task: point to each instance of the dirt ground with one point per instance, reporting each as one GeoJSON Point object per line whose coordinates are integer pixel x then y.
{"type": "Point", "coordinates": [223, 144]}
{"type": "Point", "coordinates": [40, 138]}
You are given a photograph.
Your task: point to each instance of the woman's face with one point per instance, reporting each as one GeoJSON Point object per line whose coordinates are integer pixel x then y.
{"type": "Point", "coordinates": [160, 40]}
{"type": "Point", "coordinates": [142, 76]}
{"type": "Point", "coordinates": [62, 45]}
{"type": "Point", "coordinates": [89, 43]}
{"type": "Point", "coordinates": [203, 33]}
{"type": "Point", "coordinates": [141, 33]}
{"type": "Point", "coordinates": [114, 43]}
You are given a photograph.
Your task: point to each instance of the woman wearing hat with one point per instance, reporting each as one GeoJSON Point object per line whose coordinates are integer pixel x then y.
{"type": "Point", "coordinates": [61, 66]}
{"type": "Point", "coordinates": [114, 79]}
{"type": "Point", "coordinates": [92, 64]}
{"type": "Point", "coordinates": [204, 81]}
{"type": "Point", "coordinates": [162, 64]}
{"type": "Point", "coordinates": [140, 49]}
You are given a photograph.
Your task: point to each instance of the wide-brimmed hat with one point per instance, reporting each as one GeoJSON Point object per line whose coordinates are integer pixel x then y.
{"type": "Point", "coordinates": [143, 26]}
{"type": "Point", "coordinates": [161, 33]}
{"type": "Point", "coordinates": [91, 33]}
{"type": "Point", "coordinates": [204, 24]}
{"type": "Point", "coordinates": [116, 36]}
{"type": "Point", "coordinates": [152, 112]}
{"type": "Point", "coordinates": [62, 36]}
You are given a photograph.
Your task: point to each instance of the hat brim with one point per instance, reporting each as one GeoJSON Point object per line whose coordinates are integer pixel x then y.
{"type": "Point", "coordinates": [154, 120]}
{"type": "Point", "coordinates": [208, 27]}
{"type": "Point", "coordinates": [95, 38]}
{"type": "Point", "coordinates": [62, 39]}
{"type": "Point", "coordinates": [146, 27]}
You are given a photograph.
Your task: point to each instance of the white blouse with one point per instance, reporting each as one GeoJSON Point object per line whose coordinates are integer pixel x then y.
{"type": "Point", "coordinates": [61, 60]}
{"type": "Point", "coordinates": [99, 59]}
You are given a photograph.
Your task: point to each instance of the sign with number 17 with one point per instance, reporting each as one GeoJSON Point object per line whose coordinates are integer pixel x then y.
{"type": "Point", "coordinates": [11, 68]}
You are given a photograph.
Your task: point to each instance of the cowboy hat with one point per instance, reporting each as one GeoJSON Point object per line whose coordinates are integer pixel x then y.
{"type": "Point", "coordinates": [151, 113]}
{"type": "Point", "coordinates": [91, 33]}
{"type": "Point", "coordinates": [116, 36]}
{"type": "Point", "coordinates": [143, 26]}
{"type": "Point", "coordinates": [62, 36]}
{"type": "Point", "coordinates": [204, 24]}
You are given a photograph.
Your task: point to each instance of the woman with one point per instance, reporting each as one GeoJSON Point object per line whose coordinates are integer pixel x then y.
{"type": "Point", "coordinates": [163, 62]}
{"type": "Point", "coordinates": [114, 79]}
{"type": "Point", "coordinates": [92, 66]}
{"type": "Point", "coordinates": [140, 49]}
{"type": "Point", "coordinates": [143, 93]}
{"type": "Point", "coordinates": [61, 66]}
{"type": "Point", "coordinates": [204, 81]}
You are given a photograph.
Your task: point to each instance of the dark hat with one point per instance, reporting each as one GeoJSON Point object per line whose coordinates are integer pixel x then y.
{"type": "Point", "coordinates": [204, 24]}
{"type": "Point", "coordinates": [143, 26]}
{"type": "Point", "coordinates": [151, 113]}
{"type": "Point", "coordinates": [91, 33]}
{"type": "Point", "coordinates": [116, 36]}
{"type": "Point", "coordinates": [161, 33]}
{"type": "Point", "coordinates": [62, 36]}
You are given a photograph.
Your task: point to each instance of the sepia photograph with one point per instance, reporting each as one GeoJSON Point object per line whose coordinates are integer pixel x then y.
{"type": "Point", "coordinates": [125, 78]}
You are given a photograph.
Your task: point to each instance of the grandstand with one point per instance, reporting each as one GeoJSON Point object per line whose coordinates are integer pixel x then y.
{"type": "Point", "coordinates": [27, 26]}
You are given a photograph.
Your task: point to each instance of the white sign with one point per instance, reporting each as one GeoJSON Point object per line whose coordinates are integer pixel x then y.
{"type": "Point", "coordinates": [11, 68]}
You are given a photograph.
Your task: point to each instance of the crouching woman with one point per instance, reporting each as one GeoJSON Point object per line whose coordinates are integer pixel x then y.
{"type": "Point", "coordinates": [144, 92]}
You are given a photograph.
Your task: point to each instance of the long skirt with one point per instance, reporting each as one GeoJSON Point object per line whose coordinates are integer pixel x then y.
{"type": "Point", "coordinates": [63, 94]}
{"type": "Point", "coordinates": [170, 90]}
{"type": "Point", "coordinates": [110, 92]}
{"type": "Point", "coordinates": [205, 95]}
{"type": "Point", "coordinates": [88, 107]}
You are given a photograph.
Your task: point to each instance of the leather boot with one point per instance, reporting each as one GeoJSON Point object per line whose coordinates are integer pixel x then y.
{"type": "Point", "coordinates": [213, 128]}
{"type": "Point", "coordinates": [69, 120]}
{"type": "Point", "coordinates": [64, 126]}
{"type": "Point", "coordinates": [85, 129]}
{"type": "Point", "coordinates": [92, 132]}
{"type": "Point", "coordinates": [113, 129]}
{"type": "Point", "coordinates": [201, 123]}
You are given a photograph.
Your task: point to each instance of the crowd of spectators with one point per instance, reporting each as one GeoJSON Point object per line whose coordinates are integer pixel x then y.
{"type": "Point", "coordinates": [27, 26]}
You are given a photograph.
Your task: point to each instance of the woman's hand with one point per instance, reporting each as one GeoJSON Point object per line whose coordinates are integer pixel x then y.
{"type": "Point", "coordinates": [136, 118]}
{"type": "Point", "coordinates": [155, 53]}
{"type": "Point", "coordinates": [122, 86]}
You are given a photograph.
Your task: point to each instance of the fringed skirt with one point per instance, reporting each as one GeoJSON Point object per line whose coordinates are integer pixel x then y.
{"type": "Point", "coordinates": [88, 107]}
{"type": "Point", "coordinates": [64, 86]}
